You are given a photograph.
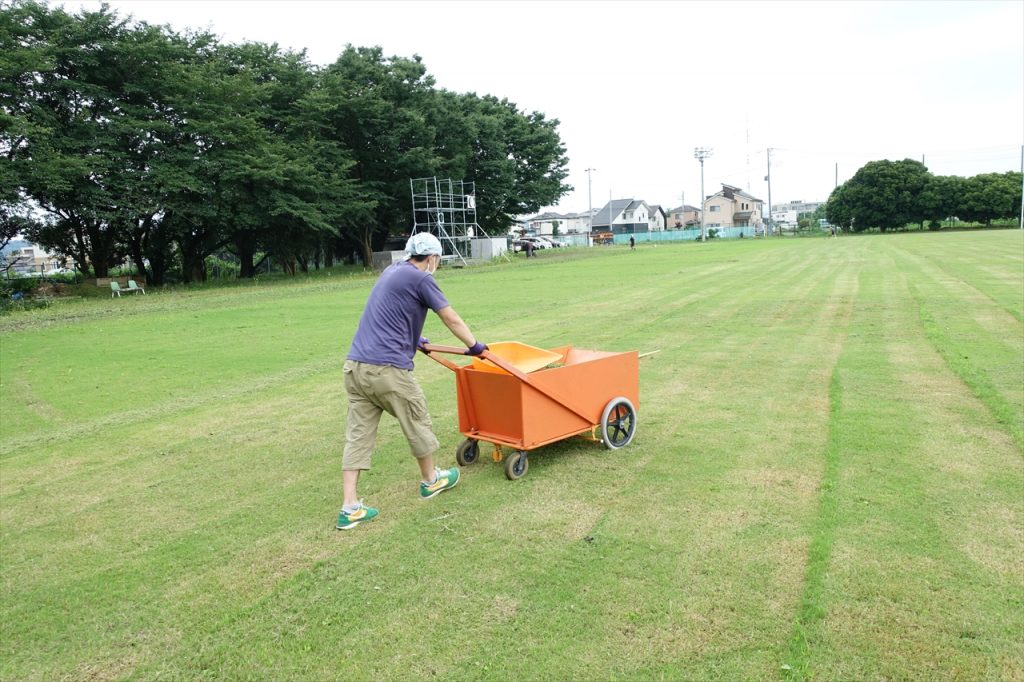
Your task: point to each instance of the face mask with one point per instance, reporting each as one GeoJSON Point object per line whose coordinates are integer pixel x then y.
{"type": "Point", "coordinates": [432, 271]}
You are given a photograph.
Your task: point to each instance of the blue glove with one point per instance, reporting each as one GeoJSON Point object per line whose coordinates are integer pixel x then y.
{"type": "Point", "coordinates": [476, 349]}
{"type": "Point", "coordinates": [422, 342]}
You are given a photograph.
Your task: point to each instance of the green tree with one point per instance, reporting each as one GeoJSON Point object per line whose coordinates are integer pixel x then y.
{"type": "Point", "coordinates": [517, 160]}
{"type": "Point", "coordinates": [837, 208]}
{"type": "Point", "coordinates": [940, 198]}
{"type": "Point", "coordinates": [990, 196]}
{"type": "Point", "coordinates": [372, 107]}
{"type": "Point", "coordinates": [165, 148]}
{"type": "Point", "coordinates": [882, 194]}
{"type": "Point", "coordinates": [61, 97]}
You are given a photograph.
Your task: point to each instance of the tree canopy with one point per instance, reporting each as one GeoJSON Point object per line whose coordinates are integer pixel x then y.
{"type": "Point", "coordinates": [138, 142]}
{"type": "Point", "coordinates": [892, 194]}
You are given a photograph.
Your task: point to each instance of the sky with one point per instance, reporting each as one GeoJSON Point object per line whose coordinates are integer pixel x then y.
{"type": "Point", "coordinates": [638, 86]}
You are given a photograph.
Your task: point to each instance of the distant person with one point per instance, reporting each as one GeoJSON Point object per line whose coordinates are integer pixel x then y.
{"type": "Point", "coordinates": [632, 243]}
{"type": "Point", "coordinates": [833, 229]}
{"type": "Point", "coordinates": [378, 372]}
{"type": "Point", "coordinates": [529, 248]}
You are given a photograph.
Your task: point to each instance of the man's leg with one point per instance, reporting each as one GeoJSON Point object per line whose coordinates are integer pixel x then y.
{"type": "Point", "coordinates": [426, 468]}
{"type": "Point", "coordinates": [349, 479]}
{"type": "Point", "coordinates": [360, 433]}
{"type": "Point", "coordinates": [409, 406]}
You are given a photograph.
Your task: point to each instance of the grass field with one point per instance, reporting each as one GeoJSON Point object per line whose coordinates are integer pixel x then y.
{"type": "Point", "coordinates": [827, 480]}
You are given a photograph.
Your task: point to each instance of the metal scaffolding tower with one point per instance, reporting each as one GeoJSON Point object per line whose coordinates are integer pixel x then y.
{"type": "Point", "coordinates": [446, 208]}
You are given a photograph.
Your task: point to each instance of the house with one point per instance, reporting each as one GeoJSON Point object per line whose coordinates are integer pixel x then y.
{"type": "Point", "coordinates": [732, 207]}
{"type": "Point", "coordinates": [623, 216]}
{"type": "Point", "coordinates": [22, 258]}
{"type": "Point", "coordinates": [657, 220]}
{"type": "Point", "coordinates": [551, 224]}
{"type": "Point", "coordinates": [682, 217]}
{"type": "Point", "coordinates": [546, 223]}
{"type": "Point", "coordinates": [786, 215]}
{"type": "Point", "coordinates": [578, 223]}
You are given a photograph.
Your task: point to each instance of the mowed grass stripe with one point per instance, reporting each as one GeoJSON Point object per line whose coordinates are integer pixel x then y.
{"type": "Point", "coordinates": [720, 490]}
{"type": "Point", "coordinates": [897, 565]}
{"type": "Point", "coordinates": [812, 607]}
{"type": "Point", "coordinates": [958, 322]}
{"type": "Point", "coordinates": [990, 263]}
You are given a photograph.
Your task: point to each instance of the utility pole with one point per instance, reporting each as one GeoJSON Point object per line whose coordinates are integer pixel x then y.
{"type": "Point", "coordinates": [1022, 186]}
{"type": "Point", "coordinates": [590, 203]}
{"type": "Point", "coordinates": [769, 191]}
{"type": "Point", "coordinates": [837, 175]}
{"type": "Point", "coordinates": [701, 153]}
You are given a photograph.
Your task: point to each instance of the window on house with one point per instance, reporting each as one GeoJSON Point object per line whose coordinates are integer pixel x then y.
{"type": "Point", "coordinates": [714, 209]}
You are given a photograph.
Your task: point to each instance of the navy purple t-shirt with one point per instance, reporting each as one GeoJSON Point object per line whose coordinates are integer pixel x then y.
{"type": "Point", "coordinates": [392, 321]}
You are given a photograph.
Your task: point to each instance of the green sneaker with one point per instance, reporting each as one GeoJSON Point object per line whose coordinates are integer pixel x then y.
{"type": "Point", "coordinates": [444, 479]}
{"type": "Point", "coordinates": [352, 519]}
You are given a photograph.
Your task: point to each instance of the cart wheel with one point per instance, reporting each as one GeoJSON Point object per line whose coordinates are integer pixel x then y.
{"type": "Point", "coordinates": [467, 452]}
{"type": "Point", "coordinates": [618, 423]}
{"type": "Point", "coordinates": [516, 465]}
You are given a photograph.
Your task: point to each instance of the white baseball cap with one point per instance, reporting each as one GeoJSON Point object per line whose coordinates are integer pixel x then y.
{"type": "Point", "coordinates": [422, 244]}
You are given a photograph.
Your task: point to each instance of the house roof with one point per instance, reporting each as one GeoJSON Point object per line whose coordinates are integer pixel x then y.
{"type": "Point", "coordinates": [610, 211]}
{"type": "Point", "coordinates": [548, 216]}
{"type": "Point", "coordinates": [684, 208]}
{"type": "Point", "coordinates": [730, 192]}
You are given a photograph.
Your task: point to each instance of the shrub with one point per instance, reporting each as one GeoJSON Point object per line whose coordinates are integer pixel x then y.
{"type": "Point", "coordinates": [18, 285]}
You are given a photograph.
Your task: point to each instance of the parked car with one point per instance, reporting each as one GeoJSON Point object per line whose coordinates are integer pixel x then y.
{"type": "Point", "coordinates": [538, 243]}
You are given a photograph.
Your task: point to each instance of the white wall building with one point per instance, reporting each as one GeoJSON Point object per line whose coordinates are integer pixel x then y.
{"type": "Point", "coordinates": [786, 215]}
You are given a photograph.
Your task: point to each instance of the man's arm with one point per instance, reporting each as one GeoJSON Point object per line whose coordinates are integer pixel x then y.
{"type": "Point", "coordinates": [454, 323]}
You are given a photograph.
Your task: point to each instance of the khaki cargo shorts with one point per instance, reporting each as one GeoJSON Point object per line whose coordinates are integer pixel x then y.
{"type": "Point", "coordinates": [372, 390]}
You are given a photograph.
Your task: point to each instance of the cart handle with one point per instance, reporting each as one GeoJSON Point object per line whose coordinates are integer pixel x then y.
{"type": "Point", "coordinates": [508, 367]}
{"type": "Point", "coordinates": [486, 355]}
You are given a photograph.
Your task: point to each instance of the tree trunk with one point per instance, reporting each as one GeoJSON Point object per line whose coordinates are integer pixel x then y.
{"type": "Point", "coordinates": [154, 247]}
{"type": "Point", "coordinates": [366, 244]}
{"type": "Point", "coordinates": [100, 247]}
{"type": "Point", "coordinates": [193, 267]}
{"type": "Point", "coordinates": [136, 237]}
{"type": "Point", "coordinates": [192, 259]}
{"type": "Point", "coordinates": [245, 249]}
{"type": "Point", "coordinates": [81, 253]}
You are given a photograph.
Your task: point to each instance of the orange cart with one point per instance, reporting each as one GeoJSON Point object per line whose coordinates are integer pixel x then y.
{"type": "Point", "coordinates": [520, 397]}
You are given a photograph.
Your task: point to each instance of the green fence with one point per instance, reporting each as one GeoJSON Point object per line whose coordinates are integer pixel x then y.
{"type": "Point", "coordinates": [684, 235]}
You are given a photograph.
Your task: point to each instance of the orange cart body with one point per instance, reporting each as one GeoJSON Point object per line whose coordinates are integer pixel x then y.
{"type": "Point", "coordinates": [501, 404]}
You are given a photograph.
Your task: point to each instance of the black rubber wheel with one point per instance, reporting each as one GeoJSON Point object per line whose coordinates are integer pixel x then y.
{"type": "Point", "coordinates": [516, 465]}
{"type": "Point", "coordinates": [467, 452]}
{"type": "Point", "coordinates": [618, 423]}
